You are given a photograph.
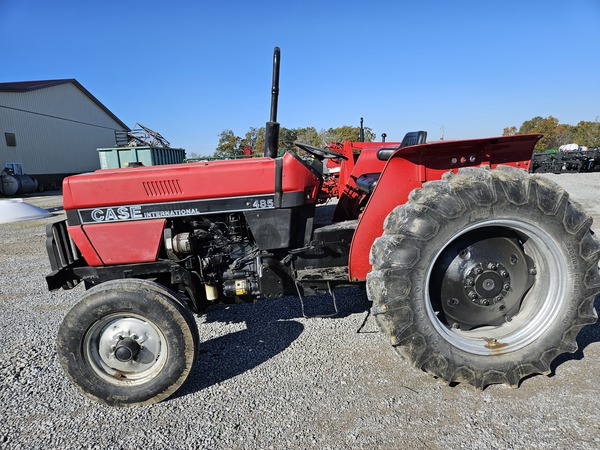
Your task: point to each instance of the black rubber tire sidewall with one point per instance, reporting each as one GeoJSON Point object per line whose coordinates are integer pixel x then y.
{"type": "Point", "coordinates": [126, 297]}
{"type": "Point", "coordinates": [414, 234]}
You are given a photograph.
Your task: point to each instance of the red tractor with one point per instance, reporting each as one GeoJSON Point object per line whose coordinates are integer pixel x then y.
{"type": "Point", "coordinates": [478, 272]}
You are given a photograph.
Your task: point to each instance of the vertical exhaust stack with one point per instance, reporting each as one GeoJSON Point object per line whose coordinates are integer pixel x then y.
{"type": "Point", "coordinates": [272, 128]}
{"type": "Point", "coordinates": [361, 134]}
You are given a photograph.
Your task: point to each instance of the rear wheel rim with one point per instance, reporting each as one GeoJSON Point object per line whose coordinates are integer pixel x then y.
{"type": "Point", "coordinates": [538, 310]}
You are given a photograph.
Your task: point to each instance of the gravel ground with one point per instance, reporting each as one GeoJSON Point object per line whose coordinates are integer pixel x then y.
{"type": "Point", "coordinates": [268, 378]}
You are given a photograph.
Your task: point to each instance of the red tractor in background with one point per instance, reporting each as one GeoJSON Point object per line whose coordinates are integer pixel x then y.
{"type": "Point", "coordinates": [478, 272]}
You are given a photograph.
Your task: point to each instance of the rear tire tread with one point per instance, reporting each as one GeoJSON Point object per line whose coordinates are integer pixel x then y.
{"type": "Point", "coordinates": [420, 220]}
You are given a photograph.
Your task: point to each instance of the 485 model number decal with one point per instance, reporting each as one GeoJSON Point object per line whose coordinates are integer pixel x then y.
{"type": "Point", "coordinates": [124, 213]}
{"type": "Point", "coordinates": [263, 203]}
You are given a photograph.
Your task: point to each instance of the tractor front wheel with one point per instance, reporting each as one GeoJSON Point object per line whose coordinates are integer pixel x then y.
{"type": "Point", "coordinates": [485, 276]}
{"type": "Point", "coordinates": [128, 342]}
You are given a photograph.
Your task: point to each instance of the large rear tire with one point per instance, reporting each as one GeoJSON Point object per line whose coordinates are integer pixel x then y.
{"type": "Point", "coordinates": [128, 342]}
{"type": "Point", "coordinates": [485, 276]}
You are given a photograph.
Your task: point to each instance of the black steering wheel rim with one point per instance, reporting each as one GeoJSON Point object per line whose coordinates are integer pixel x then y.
{"type": "Point", "coordinates": [319, 153]}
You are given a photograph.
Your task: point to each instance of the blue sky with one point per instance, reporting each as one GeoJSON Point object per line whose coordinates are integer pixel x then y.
{"type": "Point", "coordinates": [190, 69]}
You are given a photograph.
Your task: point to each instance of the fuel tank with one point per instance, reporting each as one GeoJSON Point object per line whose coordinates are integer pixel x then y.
{"type": "Point", "coordinates": [17, 184]}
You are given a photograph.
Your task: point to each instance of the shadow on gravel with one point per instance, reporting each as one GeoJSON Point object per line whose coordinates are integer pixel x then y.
{"type": "Point", "coordinates": [589, 335]}
{"type": "Point", "coordinates": [271, 327]}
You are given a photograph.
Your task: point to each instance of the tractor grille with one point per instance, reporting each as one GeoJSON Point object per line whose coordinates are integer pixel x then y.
{"type": "Point", "coordinates": [61, 250]}
{"type": "Point", "coordinates": [162, 188]}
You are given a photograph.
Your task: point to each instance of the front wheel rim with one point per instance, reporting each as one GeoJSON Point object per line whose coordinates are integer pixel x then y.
{"type": "Point", "coordinates": [125, 349]}
{"type": "Point", "coordinates": [539, 308]}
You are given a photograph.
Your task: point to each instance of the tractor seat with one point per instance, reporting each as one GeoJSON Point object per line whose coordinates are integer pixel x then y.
{"type": "Point", "coordinates": [412, 138]}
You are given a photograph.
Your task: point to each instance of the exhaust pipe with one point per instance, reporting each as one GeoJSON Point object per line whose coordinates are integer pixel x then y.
{"type": "Point", "coordinates": [272, 128]}
{"type": "Point", "coordinates": [361, 133]}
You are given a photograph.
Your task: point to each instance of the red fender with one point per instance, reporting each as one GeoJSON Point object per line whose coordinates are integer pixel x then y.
{"type": "Point", "coordinates": [410, 167]}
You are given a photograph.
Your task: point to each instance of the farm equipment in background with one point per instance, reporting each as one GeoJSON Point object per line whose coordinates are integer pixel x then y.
{"type": "Point", "coordinates": [337, 167]}
{"type": "Point", "coordinates": [140, 136]}
{"type": "Point", "coordinates": [478, 272]}
{"type": "Point", "coordinates": [139, 146]}
{"type": "Point", "coordinates": [580, 159]}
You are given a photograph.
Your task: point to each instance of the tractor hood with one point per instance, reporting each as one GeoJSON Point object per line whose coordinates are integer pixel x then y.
{"type": "Point", "coordinates": [179, 186]}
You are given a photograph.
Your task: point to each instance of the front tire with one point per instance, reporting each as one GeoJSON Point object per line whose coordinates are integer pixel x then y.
{"type": "Point", "coordinates": [128, 342]}
{"type": "Point", "coordinates": [485, 276]}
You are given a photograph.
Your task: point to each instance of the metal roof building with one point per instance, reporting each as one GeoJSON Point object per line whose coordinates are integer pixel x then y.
{"type": "Point", "coordinates": [52, 128]}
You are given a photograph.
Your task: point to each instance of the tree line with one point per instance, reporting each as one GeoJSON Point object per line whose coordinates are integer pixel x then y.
{"type": "Point", "coordinates": [253, 142]}
{"type": "Point", "coordinates": [557, 134]}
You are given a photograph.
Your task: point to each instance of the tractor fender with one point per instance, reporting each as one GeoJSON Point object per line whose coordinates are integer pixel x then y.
{"type": "Point", "coordinates": [409, 167]}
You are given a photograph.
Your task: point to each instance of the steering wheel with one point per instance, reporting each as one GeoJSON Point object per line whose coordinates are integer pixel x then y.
{"type": "Point", "coordinates": [319, 153]}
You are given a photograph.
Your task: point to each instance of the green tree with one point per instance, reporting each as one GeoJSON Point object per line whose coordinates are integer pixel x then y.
{"type": "Point", "coordinates": [229, 145]}
{"type": "Point", "coordinates": [249, 139]}
{"type": "Point", "coordinates": [587, 133]}
{"type": "Point", "coordinates": [259, 143]}
{"type": "Point", "coordinates": [309, 135]}
{"type": "Point", "coordinates": [563, 134]}
{"type": "Point", "coordinates": [555, 134]}
{"type": "Point", "coordinates": [287, 137]}
{"type": "Point", "coordinates": [545, 125]}
{"type": "Point", "coordinates": [345, 133]}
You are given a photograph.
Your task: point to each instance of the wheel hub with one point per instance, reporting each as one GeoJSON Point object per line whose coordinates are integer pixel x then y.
{"type": "Point", "coordinates": [487, 283]}
{"type": "Point", "coordinates": [129, 346]}
{"type": "Point", "coordinates": [481, 279]}
{"type": "Point", "coordinates": [127, 349]}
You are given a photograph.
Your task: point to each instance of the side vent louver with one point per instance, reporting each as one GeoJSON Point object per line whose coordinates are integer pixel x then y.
{"type": "Point", "coordinates": [162, 188]}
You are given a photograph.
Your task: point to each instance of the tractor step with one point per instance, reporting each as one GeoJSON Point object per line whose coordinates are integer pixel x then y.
{"type": "Point", "coordinates": [324, 274]}
{"type": "Point", "coordinates": [319, 280]}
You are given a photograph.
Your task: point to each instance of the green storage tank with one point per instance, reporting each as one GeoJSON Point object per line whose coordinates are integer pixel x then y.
{"type": "Point", "coordinates": [118, 157]}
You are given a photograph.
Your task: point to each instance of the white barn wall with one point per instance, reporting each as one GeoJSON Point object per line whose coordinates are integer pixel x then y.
{"type": "Point", "coordinates": [57, 130]}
